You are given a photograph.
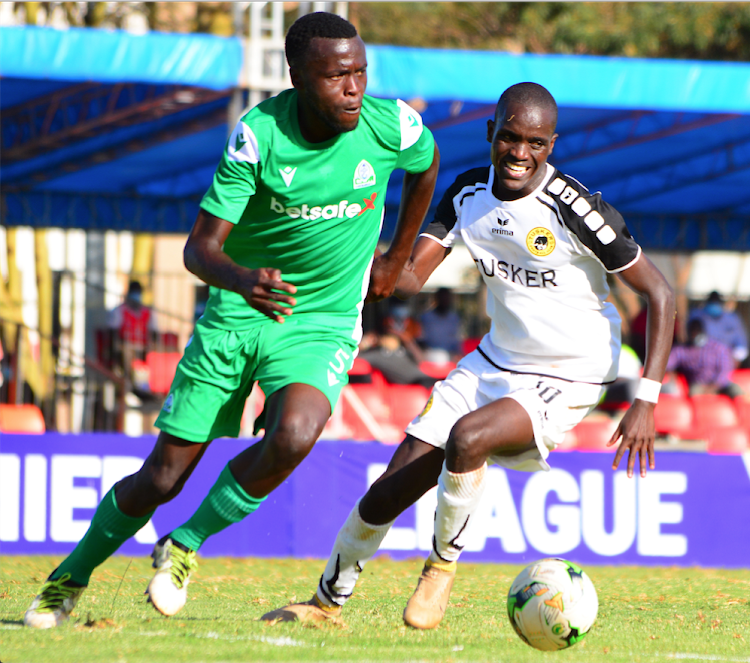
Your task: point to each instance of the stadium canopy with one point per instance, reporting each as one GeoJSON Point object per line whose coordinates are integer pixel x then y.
{"type": "Point", "coordinates": [109, 130]}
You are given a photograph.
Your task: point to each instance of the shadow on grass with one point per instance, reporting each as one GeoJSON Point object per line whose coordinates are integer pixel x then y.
{"type": "Point", "coordinates": [11, 622]}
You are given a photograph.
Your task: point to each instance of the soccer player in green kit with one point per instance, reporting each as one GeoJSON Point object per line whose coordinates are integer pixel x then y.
{"type": "Point", "coordinates": [285, 237]}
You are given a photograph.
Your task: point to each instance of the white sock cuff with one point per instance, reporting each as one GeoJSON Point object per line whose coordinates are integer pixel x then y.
{"type": "Point", "coordinates": [359, 528]}
{"type": "Point", "coordinates": [464, 485]}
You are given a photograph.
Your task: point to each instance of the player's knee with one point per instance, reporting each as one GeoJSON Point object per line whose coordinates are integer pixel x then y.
{"type": "Point", "coordinates": [464, 444]}
{"type": "Point", "coordinates": [293, 438]}
{"type": "Point", "coordinates": [164, 484]}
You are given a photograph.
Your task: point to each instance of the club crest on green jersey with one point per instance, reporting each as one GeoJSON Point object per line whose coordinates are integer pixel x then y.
{"type": "Point", "coordinates": [364, 175]}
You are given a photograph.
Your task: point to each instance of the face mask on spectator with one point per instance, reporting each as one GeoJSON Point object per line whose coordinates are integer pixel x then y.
{"type": "Point", "coordinates": [714, 309]}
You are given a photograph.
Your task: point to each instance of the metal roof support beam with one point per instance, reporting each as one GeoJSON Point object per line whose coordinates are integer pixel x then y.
{"type": "Point", "coordinates": [62, 118]}
{"type": "Point", "coordinates": [701, 167]}
{"type": "Point", "coordinates": [676, 129]}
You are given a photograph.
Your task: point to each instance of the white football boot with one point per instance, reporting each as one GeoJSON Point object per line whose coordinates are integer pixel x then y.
{"type": "Point", "coordinates": [54, 603]}
{"type": "Point", "coordinates": [174, 564]}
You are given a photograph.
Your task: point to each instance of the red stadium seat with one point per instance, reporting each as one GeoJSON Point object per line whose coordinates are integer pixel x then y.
{"type": "Point", "coordinates": [406, 401]}
{"type": "Point", "coordinates": [673, 415]}
{"type": "Point", "coordinates": [593, 433]}
{"type": "Point", "coordinates": [728, 440]}
{"type": "Point", "coordinates": [434, 370]}
{"type": "Point", "coordinates": [365, 412]}
{"type": "Point", "coordinates": [742, 405]}
{"type": "Point", "coordinates": [21, 419]}
{"type": "Point", "coordinates": [360, 367]}
{"type": "Point", "coordinates": [469, 345]}
{"type": "Point", "coordinates": [741, 377]}
{"type": "Point", "coordinates": [713, 411]}
{"type": "Point", "coordinates": [569, 443]}
{"type": "Point", "coordinates": [161, 370]}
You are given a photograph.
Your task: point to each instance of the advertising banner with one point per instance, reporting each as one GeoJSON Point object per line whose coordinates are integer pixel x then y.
{"type": "Point", "coordinates": [691, 511]}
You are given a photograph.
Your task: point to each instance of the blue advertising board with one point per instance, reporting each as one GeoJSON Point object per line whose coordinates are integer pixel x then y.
{"type": "Point", "coordinates": [690, 511]}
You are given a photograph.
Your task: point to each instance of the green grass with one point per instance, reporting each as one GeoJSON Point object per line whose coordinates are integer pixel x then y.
{"type": "Point", "coordinates": [645, 614]}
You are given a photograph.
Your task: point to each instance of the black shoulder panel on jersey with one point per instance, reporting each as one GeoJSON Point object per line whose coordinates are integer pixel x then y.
{"type": "Point", "coordinates": [597, 224]}
{"type": "Point", "coordinates": [466, 184]}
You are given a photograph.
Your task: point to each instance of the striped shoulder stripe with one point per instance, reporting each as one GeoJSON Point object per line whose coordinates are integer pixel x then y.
{"type": "Point", "coordinates": [550, 202]}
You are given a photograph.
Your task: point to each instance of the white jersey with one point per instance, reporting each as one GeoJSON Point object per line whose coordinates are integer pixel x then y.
{"type": "Point", "coordinates": [545, 259]}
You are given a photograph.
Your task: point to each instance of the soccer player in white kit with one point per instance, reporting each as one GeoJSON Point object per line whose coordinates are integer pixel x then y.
{"type": "Point", "coordinates": [544, 246]}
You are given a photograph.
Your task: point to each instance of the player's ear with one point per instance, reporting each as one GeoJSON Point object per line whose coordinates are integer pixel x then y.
{"type": "Point", "coordinates": [491, 130]}
{"type": "Point", "coordinates": [552, 144]}
{"type": "Point", "coordinates": [295, 77]}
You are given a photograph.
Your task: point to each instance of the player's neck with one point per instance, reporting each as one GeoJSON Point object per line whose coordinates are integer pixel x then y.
{"type": "Point", "coordinates": [312, 128]}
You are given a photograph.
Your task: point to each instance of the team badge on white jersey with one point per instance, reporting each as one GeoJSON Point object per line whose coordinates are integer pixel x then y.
{"type": "Point", "coordinates": [540, 242]}
{"type": "Point", "coordinates": [364, 175]}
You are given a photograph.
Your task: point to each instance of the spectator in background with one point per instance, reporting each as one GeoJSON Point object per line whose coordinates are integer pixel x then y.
{"type": "Point", "coordinates": [706, 363]}
{"type": "Point", "coordinates": [395, 352]}
{"type": "Point", "coordinates": [133, 327]}
{"type": "Point", "coordinates": [723, 326]}
{"type": "Point", "coordinates": [441, 329]}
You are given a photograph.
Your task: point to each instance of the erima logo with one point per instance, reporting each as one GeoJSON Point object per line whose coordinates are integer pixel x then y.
{"type": "Point", "coordinates": [502, 221]}
{"type": "Point", "coordinates": [333, 211]}
{"type": "Point", "coordinates": [287, 174]}
{"type": "Point", "coordinates": [167, 407]}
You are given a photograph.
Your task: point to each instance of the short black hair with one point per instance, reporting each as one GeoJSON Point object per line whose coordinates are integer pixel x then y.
{"type": "Point", "coordinates": [135, 287]}
{"type": "Point", "coordinates": [308, 27]}
{"type": "Point", "coordinates": [529, 94]}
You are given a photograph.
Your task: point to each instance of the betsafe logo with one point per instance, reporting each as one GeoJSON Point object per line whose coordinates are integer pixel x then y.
{"type": "Point", "coordinates": [332, 211]}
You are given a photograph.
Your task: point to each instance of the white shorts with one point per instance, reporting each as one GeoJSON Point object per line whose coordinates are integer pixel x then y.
{"type": "Point", "coordinates": [554, 406]}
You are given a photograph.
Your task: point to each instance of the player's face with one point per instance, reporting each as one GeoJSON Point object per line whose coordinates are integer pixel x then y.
{"type": "Point", "coordinates": [522, 137]}
{"type": "Point", "coordinates": [331, 84]}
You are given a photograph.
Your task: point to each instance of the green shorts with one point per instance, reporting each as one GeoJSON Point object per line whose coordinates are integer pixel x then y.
{"type": "Point", "coordinates": [217, 372]}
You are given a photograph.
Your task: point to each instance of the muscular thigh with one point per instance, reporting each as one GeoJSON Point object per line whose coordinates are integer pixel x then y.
{"type": "Point", "coordinates": [479, 396]}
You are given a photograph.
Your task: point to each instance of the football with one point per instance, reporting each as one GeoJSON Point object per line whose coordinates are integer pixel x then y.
{"type": "Point", "coordinates": [552, 604]}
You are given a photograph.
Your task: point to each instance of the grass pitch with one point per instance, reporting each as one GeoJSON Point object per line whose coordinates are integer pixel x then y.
{"type": "Point", "coordinates": [645, 615]}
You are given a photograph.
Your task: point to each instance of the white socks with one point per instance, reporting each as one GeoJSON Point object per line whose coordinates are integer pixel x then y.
{"type": "Point", "coordinates": [458, 498]}
{"type": "Point", "coordinates": [356, 543]}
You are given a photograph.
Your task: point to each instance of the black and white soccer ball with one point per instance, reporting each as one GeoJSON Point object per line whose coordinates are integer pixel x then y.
{"type": "Point", "coordinates": [552, 604]}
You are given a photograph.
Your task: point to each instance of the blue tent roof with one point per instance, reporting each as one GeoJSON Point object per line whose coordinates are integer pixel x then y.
{"type": "Point", "coordinates": [103, 129]}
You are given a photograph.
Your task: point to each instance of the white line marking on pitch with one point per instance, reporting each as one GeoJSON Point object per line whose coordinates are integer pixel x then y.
{"type": "Point", "coordinates": [704, 657]}
{"type": "Point", "coordinates": [212, 635]}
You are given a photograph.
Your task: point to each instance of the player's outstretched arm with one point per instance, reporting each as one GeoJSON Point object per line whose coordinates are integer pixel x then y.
{"type": "Point", "coordinates": [415, 201]}
{"type": "Point", "coordinates": [636, 428]}
{"type": "Point", "coordinates": [427, 255]}
{"type": "Point", "coordinates": [261, 288]}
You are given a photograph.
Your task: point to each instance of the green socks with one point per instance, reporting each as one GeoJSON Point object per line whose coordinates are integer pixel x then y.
{"type": "Point", "coordinates": [226, 503]}
{"type": "Point", "coordinates": [109, 529]}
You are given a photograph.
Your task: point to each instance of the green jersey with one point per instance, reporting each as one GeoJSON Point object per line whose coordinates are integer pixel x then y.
{"type": "Point", "coordinates": [312, 210]}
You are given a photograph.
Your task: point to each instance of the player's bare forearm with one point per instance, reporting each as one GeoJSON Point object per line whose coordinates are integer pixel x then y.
{"type": "Point", "coordinates": [416, 195]}
{"type": "Point", "coordinates": [263, 288]}
{"type": "Point", "coordinates": [425, 258]}
{"type": "Point", "coordinates": [649, 283]}
{"type": "Point", "coordinates": [415, 201]}
{"type": "Point", "coordinates": [636, 430]}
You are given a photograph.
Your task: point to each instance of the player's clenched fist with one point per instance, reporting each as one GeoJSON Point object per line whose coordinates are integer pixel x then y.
{"type": "Point", "coordinates": [264, 291]}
